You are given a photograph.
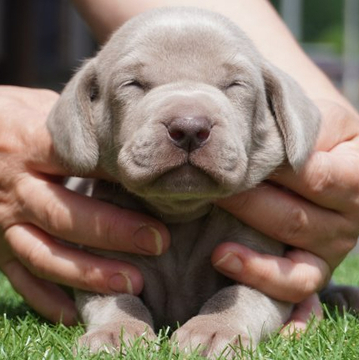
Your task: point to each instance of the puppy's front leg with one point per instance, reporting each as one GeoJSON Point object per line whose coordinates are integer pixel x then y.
{"type": "Point", "coordinates": [110, 319]}
{"type": "Point", "coordinates": [236, 315]}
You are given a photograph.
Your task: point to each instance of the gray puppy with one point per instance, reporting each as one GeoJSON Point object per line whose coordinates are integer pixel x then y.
{"type": "Point", "coordinates": [181, 110]}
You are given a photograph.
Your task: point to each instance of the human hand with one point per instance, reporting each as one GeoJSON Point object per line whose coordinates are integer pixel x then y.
{"type": "Point", "coordinates": [35, 209]}
{"type": "Point", "coordinates": [318, 217]}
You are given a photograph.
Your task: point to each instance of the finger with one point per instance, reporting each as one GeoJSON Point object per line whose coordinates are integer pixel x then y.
{"type": "Point", "coordinates": [305, 314]}
{"type": "Point", "coordinates": [54, 261]}
{"type": "Point", "coordinates": [328, 178]}
{"type": "Point", "coordinates": [87, 221]}
{"type": "Point", "coordinates": [290, 219]}
{"type": "Point", "coordinates": [46, 298]}
{"type": "Point", "coordinates": [291, 278]}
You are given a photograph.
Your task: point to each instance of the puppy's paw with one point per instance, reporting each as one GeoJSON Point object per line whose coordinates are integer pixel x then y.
{"type": "Point", "coordinates": [211, 338]}
{"type": "Point", "coordinates": [115, 337]}
{"type": "Point", "coordinates": [344, 297]}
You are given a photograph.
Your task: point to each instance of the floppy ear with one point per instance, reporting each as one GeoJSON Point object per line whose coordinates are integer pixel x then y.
{"type": "Point", "coordinates": [71, 122]}
{"type": "Point", "coordinates": [297, 117]}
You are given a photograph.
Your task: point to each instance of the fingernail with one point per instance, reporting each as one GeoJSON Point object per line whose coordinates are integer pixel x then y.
{"type": "Point", "coordinates": [121, 283]}
{"type": "Point", "coordinates": [149, 239]}
{"type": "Point", "coordinates": [229, 263]}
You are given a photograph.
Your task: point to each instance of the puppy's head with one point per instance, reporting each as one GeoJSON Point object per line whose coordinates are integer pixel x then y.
{"type": "Point", "coordinates": [181, 109]}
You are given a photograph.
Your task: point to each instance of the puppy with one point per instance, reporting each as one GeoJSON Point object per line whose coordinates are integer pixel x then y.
{"type": "Point", "coordinates": [181, 109]}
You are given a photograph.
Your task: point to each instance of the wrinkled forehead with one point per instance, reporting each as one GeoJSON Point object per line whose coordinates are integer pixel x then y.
{"type": "Point", "coordinates": [176, 48]}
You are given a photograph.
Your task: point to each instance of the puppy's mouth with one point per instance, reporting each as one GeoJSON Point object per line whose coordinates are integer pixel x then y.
{"type": "Point", "coordinates": [185, 183]}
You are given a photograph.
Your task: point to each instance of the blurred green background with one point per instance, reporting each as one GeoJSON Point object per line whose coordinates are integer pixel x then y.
{"type": "Point", "coordinates": [323, 22]}
{"type": "Point", "coordinates": [328, 30]}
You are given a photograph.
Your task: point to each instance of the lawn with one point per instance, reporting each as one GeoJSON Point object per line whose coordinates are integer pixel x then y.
{"type": "Point", "coordinates": [23, 335]}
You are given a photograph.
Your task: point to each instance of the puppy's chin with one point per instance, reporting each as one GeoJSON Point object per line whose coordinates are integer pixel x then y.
{"type": "Point", "coordinates": [178, 211]}
{"type": "Point", "coordinates": [186, 182]}
{"type": "Point", "coordinates": [185, 191]}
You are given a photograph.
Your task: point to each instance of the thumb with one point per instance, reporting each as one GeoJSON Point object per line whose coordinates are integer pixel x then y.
{"type": "Point", "coordinates": [292, 278]}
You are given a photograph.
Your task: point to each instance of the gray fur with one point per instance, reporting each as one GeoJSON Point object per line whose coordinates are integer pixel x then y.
{"type": "Point", "coordinates": [213, 118]}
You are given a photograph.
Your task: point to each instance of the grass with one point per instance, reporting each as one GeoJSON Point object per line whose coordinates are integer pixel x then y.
{"type": "Point", "coordinates": [23, 335]}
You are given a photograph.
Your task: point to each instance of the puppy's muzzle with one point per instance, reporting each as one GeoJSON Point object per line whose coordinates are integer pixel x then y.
{"type": "Point", "coordinates": [189, 133]}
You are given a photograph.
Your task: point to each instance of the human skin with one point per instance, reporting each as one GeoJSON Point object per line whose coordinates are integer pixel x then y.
{"type": "Point", "coordinates": [319, 217]}
{"type": "Point", "coordinates": [35, 208]}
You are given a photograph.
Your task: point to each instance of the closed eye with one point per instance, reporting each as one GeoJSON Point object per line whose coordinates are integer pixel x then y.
{"type": "Point", "coordinates": [236, 83]}
{"type": "Point", "coordinates": [134, 83]}
{"type": "Point", "coordinates": [233, 85]}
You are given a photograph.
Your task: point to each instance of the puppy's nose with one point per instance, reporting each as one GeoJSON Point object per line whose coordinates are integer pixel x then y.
{"type": "Point", "coordinates": [189, 133]}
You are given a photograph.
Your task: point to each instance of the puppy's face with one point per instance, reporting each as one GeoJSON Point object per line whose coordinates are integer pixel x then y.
{"type": "Point", "coordinates": [182, 105]}
{"type": "Point", "coordinates": [180, 110]}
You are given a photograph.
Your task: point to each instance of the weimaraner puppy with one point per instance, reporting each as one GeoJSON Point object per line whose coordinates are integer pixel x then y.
{"type": "Point", "coordinates": [182, 110]}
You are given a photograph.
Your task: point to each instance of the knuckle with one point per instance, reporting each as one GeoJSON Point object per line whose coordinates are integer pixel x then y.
{"type": "Point", "coordinates": [111, 230]}
{"type": "Point", "coordinates": [87, 278]}
{"type": "Point", "coordinates": [263, 275]}
{"type": "Point", "coordinates": [320, 180]}
{"type": "Point", "coordinates": [12, 205]}
{"type": "Point", "coordinates": [292, 226]}
{"type": "Point", "coordinates": [319, 277]}
{"type": "Point", "coordinates": [52, 212]}
{"type": "Point", "coordinates": [255, 280]}
{"type": "Point", "coordinates": [92, 279]}
{"type": "Point", "coordinates": [256, 276]}
{"type": "Point", "coordinates": [35, 259]}
{"type": "Point", "coordinates": [23, 192]}
{"type": "Point", "coordinates": [311, 286]}
{"type": "Point", "coordinates": [308, 286]}
{"type": "Point", "coordinates": [7, 216]}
